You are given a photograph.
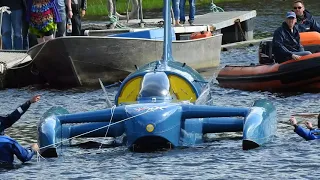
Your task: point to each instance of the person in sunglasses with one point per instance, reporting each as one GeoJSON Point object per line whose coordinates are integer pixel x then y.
{"type": "Point", "coordinates": [310, 133]}
{"type": "Point", "coordinates": [305, 21]}
{"type": "Point", "coordinates": [10, 147]}
{"type": "Point", "coordinates": [286, 41]}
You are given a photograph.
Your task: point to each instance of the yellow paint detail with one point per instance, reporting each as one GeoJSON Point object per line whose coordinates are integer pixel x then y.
{"type": "Point", "coordinates": [182, 89]}
{"type": "Point", "coordinates": [150, 128]}
{"type": "Point", "coordinates": [179, 88]}
{"type": "Point", "coordinates": [130, 90]}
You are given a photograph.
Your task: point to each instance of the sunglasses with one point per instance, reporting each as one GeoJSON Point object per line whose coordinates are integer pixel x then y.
{"type": "Point", "coordinates": [297, 7]}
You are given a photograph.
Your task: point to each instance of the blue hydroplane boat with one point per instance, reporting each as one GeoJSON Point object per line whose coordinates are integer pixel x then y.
{"type": "Point", "coordinates": [156, 107]}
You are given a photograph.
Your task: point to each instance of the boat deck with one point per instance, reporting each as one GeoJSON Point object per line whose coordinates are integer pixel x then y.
{"type": "Point", "coordinates": [237, 23]}
{"type": "Point", "coordinates": [11, 59]}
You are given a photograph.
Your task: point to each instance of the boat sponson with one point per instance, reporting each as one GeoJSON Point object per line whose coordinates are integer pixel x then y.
{"type": "Point", "coordinates": [261, 124]}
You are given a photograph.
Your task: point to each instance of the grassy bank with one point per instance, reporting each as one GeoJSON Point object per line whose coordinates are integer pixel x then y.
{"type": "Point", "coordinates": [99, 7]}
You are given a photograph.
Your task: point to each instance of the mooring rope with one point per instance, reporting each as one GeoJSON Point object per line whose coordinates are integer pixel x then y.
{"type": "Point", "coordinates": [215, 8]}
{"type": "Point", "coordinates": [3, 72]}
{"type": "Point", "coordinates": [115, 20]}
{"type": "Point", "coordinates": [32, 58]}
{"type": "Point", "coordinates": [112, 112]}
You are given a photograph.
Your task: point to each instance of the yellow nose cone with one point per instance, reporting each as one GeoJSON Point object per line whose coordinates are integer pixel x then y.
{"type": "Point", "coordinates": [150, 128]}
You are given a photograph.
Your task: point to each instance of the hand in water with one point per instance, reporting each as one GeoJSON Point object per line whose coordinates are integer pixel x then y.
{"type": "Point", "coordinates": [35, 147]}
{"type": "Point", "coordinates": [308, 124]}
{"type": "Point", "coordinates": [35, 99]}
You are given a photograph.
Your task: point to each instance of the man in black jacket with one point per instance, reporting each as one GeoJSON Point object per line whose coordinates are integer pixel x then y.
{"type": "Point", "coordinates": [305, 21]}
{"type": "Point", "coordinates": [28, 39]}
{"type": "Point", "coordinates": [79, 10]}
{"type": "Point", "coordinates": [286, 41]}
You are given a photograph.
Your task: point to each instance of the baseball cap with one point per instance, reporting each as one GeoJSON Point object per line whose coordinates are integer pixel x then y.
{"type": "Point", "coordinates": [291, 14]}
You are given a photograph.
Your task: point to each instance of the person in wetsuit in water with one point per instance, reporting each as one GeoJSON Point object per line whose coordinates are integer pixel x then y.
{"type": "Point", "coordinates": [10, 147]}
{"type": "Point", "coordinates": [310, 133]}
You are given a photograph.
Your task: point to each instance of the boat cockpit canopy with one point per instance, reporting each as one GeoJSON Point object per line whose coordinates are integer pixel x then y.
{"type": "Point", "coordinates": [155, 85]}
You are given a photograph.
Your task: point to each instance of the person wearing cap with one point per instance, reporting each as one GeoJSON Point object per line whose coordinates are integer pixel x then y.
{"type": "Point", "coordinates": [305, 21]}
{"type": "Point", "coordinates": [286, 41]}
{"type": "Point", "coordinates": [10, 147]}
{"type": "Point", "coordinates": [310, 133]}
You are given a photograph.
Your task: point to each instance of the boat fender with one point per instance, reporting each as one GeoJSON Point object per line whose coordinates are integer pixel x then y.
{"type": "Point", "coordinates": [184, 64]}
{"type": "Point", "coordinates": [201, 34]}
{"type": "Point", "coordinates": [137, 68]}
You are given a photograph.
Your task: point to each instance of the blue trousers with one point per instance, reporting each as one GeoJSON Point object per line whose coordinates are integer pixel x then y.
{"type": "Point", "coordinates": [175, 8]}
{"type": "Point", "coordinates": [11, 22]}
{"type": "Point", "coordinates": [192, 10]}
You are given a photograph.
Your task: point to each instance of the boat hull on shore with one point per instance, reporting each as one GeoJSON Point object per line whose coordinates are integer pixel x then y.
{"type": "Point", "coordinates": [80, 61]}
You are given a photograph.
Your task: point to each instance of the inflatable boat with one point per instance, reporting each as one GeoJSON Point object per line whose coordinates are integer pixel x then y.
{"type": "Point", "coordinates": [157, 108]}
{"type": "Point", "coordinates": [295, 76]}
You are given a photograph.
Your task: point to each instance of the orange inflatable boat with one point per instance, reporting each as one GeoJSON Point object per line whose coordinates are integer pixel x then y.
{"type": "Point", "coordinates": [310, 41]}
{"type": "Point", "coordinates": [296, 76]}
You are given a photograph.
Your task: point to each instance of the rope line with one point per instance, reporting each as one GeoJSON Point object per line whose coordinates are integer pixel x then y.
{"type": "Point", "coordinates": [149, 110]}
{"type": "Point", "coordinates": [215, 8]}
{"type": "Point", "coordinates": [112, 113]}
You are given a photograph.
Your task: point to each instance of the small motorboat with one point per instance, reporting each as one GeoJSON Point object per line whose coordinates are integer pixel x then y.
{"type": "Point", "coordinates": [294, 75]}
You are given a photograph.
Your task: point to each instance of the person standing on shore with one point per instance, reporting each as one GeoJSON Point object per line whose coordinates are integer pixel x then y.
{"type": "Point", "coordinates": [63, 13]}
{"type": "Point", "coordinates": [12, 25]}
{"type": "Point", "coordinates": [79, 8]}
{"type": "Point", "coordinates": [192, 11]}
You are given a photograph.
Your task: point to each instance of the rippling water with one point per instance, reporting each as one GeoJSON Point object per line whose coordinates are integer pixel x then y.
{"type": "Point", "coordinates": [287, 157]}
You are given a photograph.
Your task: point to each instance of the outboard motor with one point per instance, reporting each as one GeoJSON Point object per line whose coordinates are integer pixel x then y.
{"type": "Point", "coordinates": [265, 52]}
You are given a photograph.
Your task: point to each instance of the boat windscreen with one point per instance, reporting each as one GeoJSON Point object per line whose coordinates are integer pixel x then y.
{"type": "Point", "coordinates": [155, 84]}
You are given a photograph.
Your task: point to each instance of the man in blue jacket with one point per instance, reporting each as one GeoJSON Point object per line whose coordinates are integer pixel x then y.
{"type": "Point", "coordinates": [308, 134]}
{"type": "Point", "coordinates": [286, 41]}
{"type": "Point", "coordinates": [305, 21]}
{"type": "Point", "coordinates": [10, 147]}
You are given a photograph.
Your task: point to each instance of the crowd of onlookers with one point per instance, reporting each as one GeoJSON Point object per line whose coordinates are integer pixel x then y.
{"type": "Point", "coordinates": [36, 21]}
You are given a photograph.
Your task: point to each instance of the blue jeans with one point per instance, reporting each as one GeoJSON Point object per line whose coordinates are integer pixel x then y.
{"type": "Point", "coordinates": [61, 26]}
{"type": "Point", "coordinates": [192, 10]}
{"type": "Point", "coordinates": [12, 21]}
{"type": "Point", "coordinates": [175, 8]}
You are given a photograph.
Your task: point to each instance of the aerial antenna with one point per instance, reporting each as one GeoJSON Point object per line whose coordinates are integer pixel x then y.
{"type": "Point", "coordinates": [109, 104]}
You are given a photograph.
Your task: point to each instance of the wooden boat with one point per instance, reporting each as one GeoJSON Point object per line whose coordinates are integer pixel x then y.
{"type": "Point", "coordinates": [293, 75]}
{"type": "Point", "coordinates": [80, 61]}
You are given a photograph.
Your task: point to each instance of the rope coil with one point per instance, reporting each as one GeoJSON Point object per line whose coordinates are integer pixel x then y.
{"type": "Point", "coordinates": [215, 8]}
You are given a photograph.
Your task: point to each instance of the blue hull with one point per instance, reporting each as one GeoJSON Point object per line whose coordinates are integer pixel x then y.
{"type": "Point", "coordinates": [152, 126]}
